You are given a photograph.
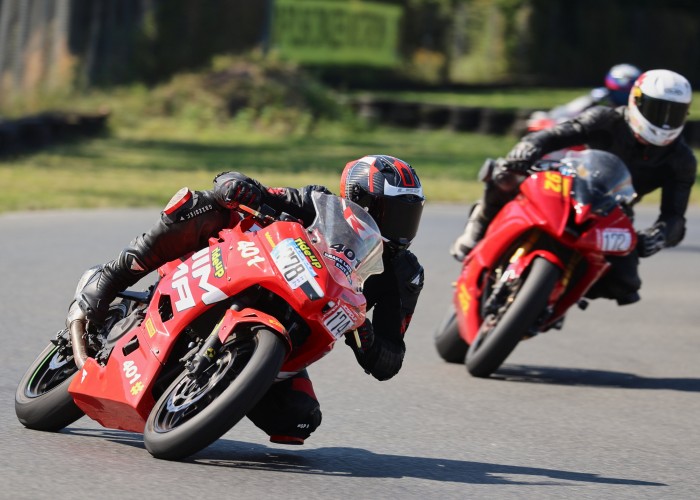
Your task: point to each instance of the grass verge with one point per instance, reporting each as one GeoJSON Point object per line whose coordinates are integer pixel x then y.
{"type": "Point", "coordinates": [145, 159]}
{"type": "Point", "coordinates": [144, 165]}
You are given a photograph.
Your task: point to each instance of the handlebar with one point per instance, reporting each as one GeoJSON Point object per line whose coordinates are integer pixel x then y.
{"type": "Point", "coordinates": [257, 215]}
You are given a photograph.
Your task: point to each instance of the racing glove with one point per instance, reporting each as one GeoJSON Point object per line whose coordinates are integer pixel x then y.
{"type": "Point", "coordinates": [378, 357]}
{"type": "Point", "coordinates": [232, 189]}
{"type": "Point", "coordinates": [521, 156]}
{"type": "Point", "coordinates": [651, 240]}
{"type": "Point", "coordinates": [362, 339]}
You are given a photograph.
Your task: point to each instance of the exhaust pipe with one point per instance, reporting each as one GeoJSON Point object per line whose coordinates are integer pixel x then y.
{"type": "Point", "coordinates": [76, 324]}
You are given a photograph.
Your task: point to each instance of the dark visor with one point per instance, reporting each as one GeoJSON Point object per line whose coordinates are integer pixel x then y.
{"type": "Point", "coordinates": [662, 113]}
{"type": "Point", "coordinates": [398, 219]}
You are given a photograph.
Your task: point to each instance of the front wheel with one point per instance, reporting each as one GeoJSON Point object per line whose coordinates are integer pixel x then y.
{"type": "Point", "coordinates": [193, 413]}
{"type": "Point", "coordinates": [449, 344]}
{"type": "Point", "coordinates": [42, 401]}
{"type": "Point", "coordinates": [501, 332]}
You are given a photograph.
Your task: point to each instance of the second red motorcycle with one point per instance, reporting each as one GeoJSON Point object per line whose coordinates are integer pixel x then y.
{"type": "Point", "coordinates": [540, 255]}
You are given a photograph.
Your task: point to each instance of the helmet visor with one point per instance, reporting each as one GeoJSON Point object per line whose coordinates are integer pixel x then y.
{"type": "Point", "coordinates": [398, 217]}
{"type": "Point", "coordinates": [662, 113]}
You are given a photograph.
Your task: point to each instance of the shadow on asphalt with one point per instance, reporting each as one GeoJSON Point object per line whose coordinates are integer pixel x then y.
{"type": "Point", "coordinates": [357, 462]}
{"type": "Point", "coordinates": [591, 378]}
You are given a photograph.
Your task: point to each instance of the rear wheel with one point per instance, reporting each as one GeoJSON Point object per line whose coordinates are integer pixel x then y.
{"type": "Point", "coordinates": [42, 401]}
{"type": "Point", "coordinates": [193, 413]}
{"type": "Point", "coordinates": [511, 318]}
{"type": "Point", "coordinates": [449, 344]}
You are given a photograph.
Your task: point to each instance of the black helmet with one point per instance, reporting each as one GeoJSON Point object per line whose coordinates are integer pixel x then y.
{"type": "Point", "coordinates": [390, 191]}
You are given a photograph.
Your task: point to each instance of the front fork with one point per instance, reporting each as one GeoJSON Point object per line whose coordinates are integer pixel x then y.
{"type": "Point", "coordinates": [206, 354]}
{"type": "Point", "coordinates": [234, 316]}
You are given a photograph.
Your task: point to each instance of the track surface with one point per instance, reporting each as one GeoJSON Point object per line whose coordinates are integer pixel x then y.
{"type": "Point", "coordinates": [606, 408]}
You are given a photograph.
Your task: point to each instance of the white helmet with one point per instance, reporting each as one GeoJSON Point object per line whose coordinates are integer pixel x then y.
{"type": "Point", "coordinates": [658, 106]}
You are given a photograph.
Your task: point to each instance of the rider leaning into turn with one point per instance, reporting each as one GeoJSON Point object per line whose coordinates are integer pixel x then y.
{"type": "Point", "coordinates": [390, 191]}
{"type": "Point", "coordinates": [646, 135]}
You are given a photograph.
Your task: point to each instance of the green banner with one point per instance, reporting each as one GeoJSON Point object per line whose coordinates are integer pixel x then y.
{"type": "Point", "coordinates": [336, 33]}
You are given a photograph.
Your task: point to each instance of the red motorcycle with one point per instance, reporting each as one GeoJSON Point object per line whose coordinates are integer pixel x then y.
{"type": "Point", "coordinates": [540, 255]}
{"type": "Point", "coordinates": [183, 362]}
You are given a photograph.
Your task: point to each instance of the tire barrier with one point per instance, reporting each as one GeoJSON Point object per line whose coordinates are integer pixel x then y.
{"type": "Point", "coordinates": [36, 132]}
{"type": "Point", "coordinates": [482, 120]}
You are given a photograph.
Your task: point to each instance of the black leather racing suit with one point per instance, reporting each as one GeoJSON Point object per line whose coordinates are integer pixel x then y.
{"type": "Point", "coordinates": [671, 168]}
{"type": "Point", "coordinates": [289, 412]}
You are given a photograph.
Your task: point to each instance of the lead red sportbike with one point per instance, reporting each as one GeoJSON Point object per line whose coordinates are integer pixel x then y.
{"type": "Point", "coordinates": [183, 362]}
{"type": "Point", "coordinates": [540, 255]}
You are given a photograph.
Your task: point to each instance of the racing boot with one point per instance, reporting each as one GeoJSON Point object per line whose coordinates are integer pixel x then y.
{"type": "Point", "coordinates": [473, 233]}
{"type": "Point", "coordinates": [103, 283]}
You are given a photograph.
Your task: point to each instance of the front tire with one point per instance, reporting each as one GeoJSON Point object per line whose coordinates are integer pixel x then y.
{"type": "Point", "coordinates": [42, 401]}
{"type": "Point", "coordinates": [192, 414]}
{"type": "Point", "coordinates": [493, 345]}
{"type": "Point", "coordinates": [449, 344]}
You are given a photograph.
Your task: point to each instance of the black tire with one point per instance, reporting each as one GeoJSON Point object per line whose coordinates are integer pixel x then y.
{"type": "Point", "coordinates": [190, 416]}
{"type": "Point", "coordinates": [42, 401]}
{"type": "Point", "coordinates": [491, 348]}
{"type": "Point", "coordinates": [449, 344]}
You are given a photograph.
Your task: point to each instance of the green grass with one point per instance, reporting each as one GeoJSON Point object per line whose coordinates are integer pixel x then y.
{"type": "Point", "coordinates": [144, 165]}
{"type": "Point", "coordinates": [145, 159]}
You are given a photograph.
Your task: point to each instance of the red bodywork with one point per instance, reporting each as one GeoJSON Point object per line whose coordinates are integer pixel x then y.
{"type": "Point", "coordinates": [543, 221]}
{"type": "Point", "coordinates": [119, 394]}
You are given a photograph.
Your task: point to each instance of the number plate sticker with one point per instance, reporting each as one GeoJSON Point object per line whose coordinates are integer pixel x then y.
{"type": "Point", "coordinates": [615, 240]}
{"type": "Point", "coordinates": [295, 268]}
{"type": "Point", "coordinates": [339, 320]}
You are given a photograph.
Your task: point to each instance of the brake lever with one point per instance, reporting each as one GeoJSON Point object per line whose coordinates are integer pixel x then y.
{"type": "Point", "coordinates": [267, 219]}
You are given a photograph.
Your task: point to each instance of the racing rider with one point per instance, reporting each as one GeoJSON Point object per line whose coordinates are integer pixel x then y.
{"type": "Point", "coordinates": [388, 188]}
{"type": "Point", "coordinates": [646, 135]}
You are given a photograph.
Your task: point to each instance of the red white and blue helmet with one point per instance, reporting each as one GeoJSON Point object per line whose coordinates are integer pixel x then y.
{"type": "Point", "coordinates": [619, 81]}
{"type": "Point", "coordinates": [389, 189]}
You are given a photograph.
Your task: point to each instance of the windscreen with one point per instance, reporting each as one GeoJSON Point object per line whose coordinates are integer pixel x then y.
{"type": "Point", "coordinates": [348, 239]}
{"type": "Point", "coordinates": [600, 179]}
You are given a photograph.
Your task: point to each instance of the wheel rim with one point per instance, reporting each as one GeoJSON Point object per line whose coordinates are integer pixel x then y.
{"type": "Point", "coordinates": [491, 320]}
{"type": "Point", "coordinates": [191, 396]}
{"type": "Point", "coordinates": [52, 372]}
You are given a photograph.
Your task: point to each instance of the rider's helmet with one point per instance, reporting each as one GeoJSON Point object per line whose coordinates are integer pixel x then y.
{"type": "Point", "coordinates": [389, 189]}
{"type": "Point", "coordinates": [658, 106]}
{"type": "Point", "coordinates": [619, 81]}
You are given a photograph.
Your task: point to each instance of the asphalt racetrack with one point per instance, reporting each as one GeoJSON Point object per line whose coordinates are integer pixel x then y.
{"type": "Point", "coordinates": [608, 407]}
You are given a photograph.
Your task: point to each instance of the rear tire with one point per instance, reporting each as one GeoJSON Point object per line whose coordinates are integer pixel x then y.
{"type": "Point", "coordinates": [449, 344]}
{"type": "Point", "coordinates": [191, 415]}
{"type": "Point", "coordinates": [491, 347]}
{"type": "Point", "coordinates": [42, 401]}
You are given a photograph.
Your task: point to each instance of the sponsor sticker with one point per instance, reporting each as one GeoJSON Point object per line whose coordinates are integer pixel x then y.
{"type": "Point", "coordinates": [217, 263]}
{"type": "Point", "coordinates": [150, 328]}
